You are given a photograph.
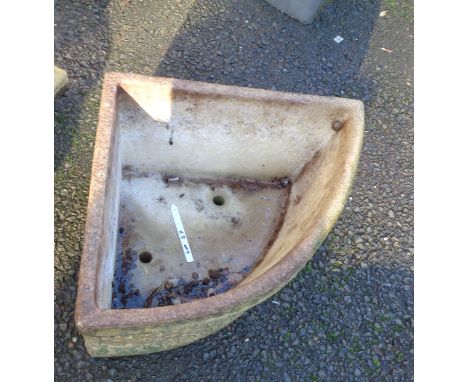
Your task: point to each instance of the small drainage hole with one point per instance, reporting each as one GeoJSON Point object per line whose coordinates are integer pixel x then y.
{"type": "Point", "coordinates": [218, 200]}
{"type": "Point", "coordinates": [146, 257]}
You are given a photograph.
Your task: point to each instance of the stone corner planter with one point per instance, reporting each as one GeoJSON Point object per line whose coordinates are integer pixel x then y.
{"type": "Point", "coordinates": [281, 163]}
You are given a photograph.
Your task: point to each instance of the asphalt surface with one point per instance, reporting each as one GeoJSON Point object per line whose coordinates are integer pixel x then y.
{"type": "Point", "coordinates": [348, 316]}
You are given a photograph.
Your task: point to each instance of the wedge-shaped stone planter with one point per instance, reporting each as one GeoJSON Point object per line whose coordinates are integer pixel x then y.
{"type": "Point", "coordinates": [258, 178]}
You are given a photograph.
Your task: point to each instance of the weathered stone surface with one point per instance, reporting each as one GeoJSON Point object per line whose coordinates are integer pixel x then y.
{"type": "Point", "coordinates": [60, 80]}
{"type": "Point", "coordinates": [302, 10]}
{"type": "Point", "coordinates": [321, 160]}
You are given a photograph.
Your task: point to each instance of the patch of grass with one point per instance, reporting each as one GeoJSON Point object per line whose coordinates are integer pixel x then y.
{"type": "Point", "coordinates": [399, 8]}
{"type": "Point", "coordinates": [60, 118]}
{"type": "Point", "coordinates": [376, 362]}
{"type": "Point", "coordinates": [384, 318]}
{"type": "Point", "coordinates": [399, 356]}
{"type": "Point", "coordinates": [332, 337]}
{"type": "Point", "coordinates": [290, 309]}
{"type": "Point", "coordinates": [287, 336]}
{"type": "Point", "coordinates": [308, 267]}
{"type": "Point", "coordinates": [337, 264]}
{"type": "Point", "coordinates": [356, 346]}
{"type": "Point", "coordinates": [313, 378]}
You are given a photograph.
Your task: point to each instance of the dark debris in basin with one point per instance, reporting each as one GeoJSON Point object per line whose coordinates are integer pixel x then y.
{"type": "Point", "coordinates": [179, 290]}
{"type": "Point", "coordinates": [124, 293]}
{"type": "Point", "coordinates": [175, 290]}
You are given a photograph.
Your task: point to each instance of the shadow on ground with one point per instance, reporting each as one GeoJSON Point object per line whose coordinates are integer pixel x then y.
{"type": "Point", "coordinates": [81, 51]}
{"type": "Point", "coordinates": [250, 43]}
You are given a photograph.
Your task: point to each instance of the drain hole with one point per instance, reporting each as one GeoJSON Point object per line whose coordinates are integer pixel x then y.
{"type": "Point", "coordinates": [145, 257]}
{"type": "Point", "coordinates": [218, 200]}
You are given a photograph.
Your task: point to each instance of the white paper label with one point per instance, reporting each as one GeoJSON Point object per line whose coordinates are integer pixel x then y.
{"type": "Point", "coordinates": [338, 39]}
{"type": "Point", "coordinates": [182, 235]}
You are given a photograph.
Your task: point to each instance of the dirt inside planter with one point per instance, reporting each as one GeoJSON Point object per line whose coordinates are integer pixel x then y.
{"type": "Point", "coordinates": [230, 224]}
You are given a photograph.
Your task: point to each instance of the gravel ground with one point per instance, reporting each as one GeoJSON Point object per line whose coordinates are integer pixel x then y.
{"type": "Point", "coordinates": [348, 316]}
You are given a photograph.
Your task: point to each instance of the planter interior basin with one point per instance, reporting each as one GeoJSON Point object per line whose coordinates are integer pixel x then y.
{"type": "Point", "coordinates": [258, 179]}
